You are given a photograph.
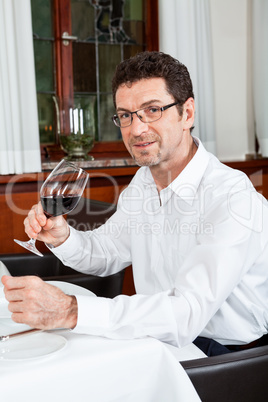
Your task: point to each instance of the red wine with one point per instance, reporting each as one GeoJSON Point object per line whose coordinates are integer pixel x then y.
{"type": "Point", "coordinates": [58, 204]}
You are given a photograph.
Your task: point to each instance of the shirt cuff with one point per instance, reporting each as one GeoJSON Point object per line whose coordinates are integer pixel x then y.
{"type": "Point", "coordinates": [93, 315]}
{"type": "Point", "coordinates": [67, 248]}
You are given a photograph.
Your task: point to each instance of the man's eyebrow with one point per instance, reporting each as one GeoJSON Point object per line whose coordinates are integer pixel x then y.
{"type": "Point", "coordinates": [150, 102]}
{"type": "Point", "coordinates": [122, 109]}
{"type": "Point", "coordinates": [144, 104]}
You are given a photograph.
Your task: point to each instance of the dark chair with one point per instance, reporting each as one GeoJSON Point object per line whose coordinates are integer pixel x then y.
{"type": "Point", "coordinates": [233, 377]}
{"type": "Point", "coordinates": [50, 268]}
{"type": "Point", "coordinates": [88, 215]}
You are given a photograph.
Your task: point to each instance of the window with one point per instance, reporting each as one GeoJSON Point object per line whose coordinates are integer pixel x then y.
{"type": "Point", "coordinates": [77, 44]}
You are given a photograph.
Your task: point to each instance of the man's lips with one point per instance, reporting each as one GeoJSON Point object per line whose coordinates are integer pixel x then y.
{"type": "Point", "coordinates": [143, 144]}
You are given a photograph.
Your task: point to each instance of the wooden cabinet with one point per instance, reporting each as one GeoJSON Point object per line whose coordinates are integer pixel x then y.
{"type": "Point", "coordinates": [257, 171]}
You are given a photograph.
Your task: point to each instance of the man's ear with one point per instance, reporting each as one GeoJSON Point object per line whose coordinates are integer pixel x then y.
{"type": "Point", "coordinates": [188, 113]}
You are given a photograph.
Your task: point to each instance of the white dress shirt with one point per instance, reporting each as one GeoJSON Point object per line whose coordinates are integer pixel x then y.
{"type": "Point", "coordinates": [199, 252]}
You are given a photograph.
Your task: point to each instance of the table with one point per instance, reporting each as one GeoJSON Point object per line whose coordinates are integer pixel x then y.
{"type": "Point", "coordinates": [99, 370]}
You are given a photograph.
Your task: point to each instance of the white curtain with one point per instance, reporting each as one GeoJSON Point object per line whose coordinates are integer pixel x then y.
{"type": "Point", "coordinates": [260, 71]}
{"type": "Point", "coordinates": [19, 134]}
{"type": "Point", "coordinates": [184, 33]}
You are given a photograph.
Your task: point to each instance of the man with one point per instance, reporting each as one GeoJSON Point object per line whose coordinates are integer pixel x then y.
{"type": "Point", "coordinates": [194, 230]}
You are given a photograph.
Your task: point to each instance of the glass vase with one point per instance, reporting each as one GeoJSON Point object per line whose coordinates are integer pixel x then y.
{"type": "Point", "coordinates": [76, 126]}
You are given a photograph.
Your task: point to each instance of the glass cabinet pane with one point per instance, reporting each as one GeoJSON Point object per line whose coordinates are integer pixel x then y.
{"type": "Point", "coordinates": [130, 51]}
{"type": "Point", "coordinates": [107, 32]}
{"type": "Point", "coordinates": [42, 18]}
{"type": "Point", "coordinates": [83, 20]}
{"type": "Point", "coordinates": [43, 51]}
{"type": "Point", "coordinates": [133, 21]}
{"type": "Point", "coordinates": [109, 132]}
{"type": "Point", "coordinates": [84, 67]}
{"type": "Point", "coordinates": [135, 30]}
{"type": "Point", "coordinates": [133, 10]}
{"type": "Point", "coordinates": [47, 119]}
{"type": "Point", "coordinates": [109, 58]}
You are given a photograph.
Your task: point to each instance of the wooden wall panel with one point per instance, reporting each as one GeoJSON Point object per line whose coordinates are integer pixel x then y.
{"type": "Point", "coordinates": [14, 208]}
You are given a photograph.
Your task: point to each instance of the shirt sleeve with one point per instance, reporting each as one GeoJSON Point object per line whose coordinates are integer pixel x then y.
{"type": "Point", "coordinates": [103, 251]}
{"type": "Point", "coordinates": [128, 317]}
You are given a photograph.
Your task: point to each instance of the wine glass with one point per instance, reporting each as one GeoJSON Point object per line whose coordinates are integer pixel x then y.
{"type": "Point", "coordinates": [59, 194]}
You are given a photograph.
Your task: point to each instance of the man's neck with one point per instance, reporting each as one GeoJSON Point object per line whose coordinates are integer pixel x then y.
{"type": "Point", "coordinates": [164, 175]}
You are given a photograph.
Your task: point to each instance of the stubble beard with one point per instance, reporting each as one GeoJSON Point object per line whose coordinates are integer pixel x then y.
{"type": "Point", "coordinates": [144, 157]}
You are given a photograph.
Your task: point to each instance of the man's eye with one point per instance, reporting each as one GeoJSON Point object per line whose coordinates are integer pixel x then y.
{"type": "Point", "coordinates": [123, 116]}
{"type": "Point", "coordinates": [152, 109]}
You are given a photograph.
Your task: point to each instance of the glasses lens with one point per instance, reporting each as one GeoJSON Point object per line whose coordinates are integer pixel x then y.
{"type": "Point", "coordinates": [124, 119]}
{"type": "Point", "coordinates": [150, 114]}
{"type": "Point", "coordinates": [116, 120]}
{"type": "Point", "coordinates": [146, 115]}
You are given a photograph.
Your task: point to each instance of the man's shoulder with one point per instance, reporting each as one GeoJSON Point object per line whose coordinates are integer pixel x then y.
{"type": "Point", "coordinates": [219, 170]}
{"type": "Point", "coordinates": [224, 180]}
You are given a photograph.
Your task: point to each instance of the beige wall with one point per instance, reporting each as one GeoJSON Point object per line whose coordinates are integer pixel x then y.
{"type": "Point", "coordinates": [232, 72]}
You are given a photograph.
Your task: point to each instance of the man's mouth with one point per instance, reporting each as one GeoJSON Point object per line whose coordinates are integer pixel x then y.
{"type": "Point", "coordinates": [143, 144]}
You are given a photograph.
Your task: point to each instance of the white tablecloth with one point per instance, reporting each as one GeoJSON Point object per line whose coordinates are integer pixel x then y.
{"type": "Point", "coordinates": [91, 368]}
{"type": "Point", "coordinates": [99, 370]}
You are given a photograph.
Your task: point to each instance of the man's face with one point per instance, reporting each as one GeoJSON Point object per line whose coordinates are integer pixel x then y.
{"type": "Point", "coordinates": [157, 143]}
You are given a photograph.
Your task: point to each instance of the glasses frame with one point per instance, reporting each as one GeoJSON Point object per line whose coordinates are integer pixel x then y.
{"type": "Point", "coordinates": [162, 109]}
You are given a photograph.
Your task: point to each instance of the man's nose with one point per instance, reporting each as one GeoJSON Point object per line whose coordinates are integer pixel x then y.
{"type": "Point", "coordinates": [138, 127]}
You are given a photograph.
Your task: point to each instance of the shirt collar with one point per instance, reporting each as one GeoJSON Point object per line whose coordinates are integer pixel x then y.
{"type": "Point", "coordinates": [188, 181]}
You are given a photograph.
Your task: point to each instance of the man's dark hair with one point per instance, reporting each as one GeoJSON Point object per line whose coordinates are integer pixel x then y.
{"type": "Point", "coordinates": [154, 65]}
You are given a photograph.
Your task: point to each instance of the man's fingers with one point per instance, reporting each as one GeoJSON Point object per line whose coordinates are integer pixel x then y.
{"type": "Point", "coordinates": [48, 230]}
{"type": "Point", "coordinates": [35, 220]}
{"type": "Point", "coordinates": [15, 307]}
{"type": "Point", "coordinates": [41, 217]}
{"type": "Point", "coordinates": [4, 279]}
{"type": "Point", "coordinates": [31, 231]}
{"type": "Point", "coordinates": [19, 282]}
{"type": "Point", "coordinates": [22, 317]}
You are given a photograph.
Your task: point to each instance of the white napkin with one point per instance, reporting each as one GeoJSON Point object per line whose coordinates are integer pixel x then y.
{"type": "Point", "coordinates": [4, 312]}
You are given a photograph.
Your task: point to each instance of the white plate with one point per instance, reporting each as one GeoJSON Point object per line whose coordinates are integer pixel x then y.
{"type": "Point", "coordinates": [71, 289]}
{"type": "Point", "coordinates": [34, 345]}
{"type": "Point", "coordinates": [31, 346]}
{"type": "Point", "coordinates": [4, 312]}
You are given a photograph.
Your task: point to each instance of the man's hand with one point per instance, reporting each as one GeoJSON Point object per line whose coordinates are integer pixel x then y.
{"type": "Point", "coordinates": [39, 304]}
{"type": "Point", "coordinates": [53, 231]}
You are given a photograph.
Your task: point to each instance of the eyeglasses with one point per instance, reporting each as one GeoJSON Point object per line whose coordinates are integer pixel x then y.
{"type": "Point", "coordinates": [146, 115]}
